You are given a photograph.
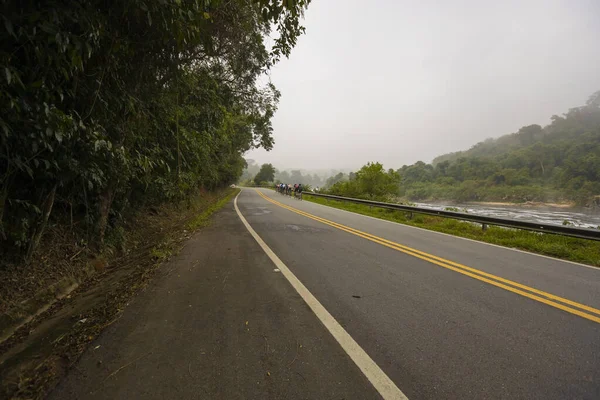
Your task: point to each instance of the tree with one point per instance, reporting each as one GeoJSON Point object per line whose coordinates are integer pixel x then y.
{"type": "Point", "coordinates": [250, 171]}
{"type": "Point", "coordinates": [332, 180]}
{"type": "Point", "coordinates": [266, 174]}
{"type": "Point", "coordinates": [283, 176]}
{"type": "Point", "coordinates": [296, 176]}
{"type": "Point", "coordinates": [109, 106]}
{"type": "Point", "coordinates": [372, 180]}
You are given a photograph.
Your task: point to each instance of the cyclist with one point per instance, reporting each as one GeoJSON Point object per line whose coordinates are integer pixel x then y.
{"type": "Point", "coordinates": [299, 191]}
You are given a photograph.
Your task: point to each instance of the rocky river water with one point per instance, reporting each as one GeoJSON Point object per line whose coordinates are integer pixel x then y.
{"type": "Point", "coordinates": [579, 217]}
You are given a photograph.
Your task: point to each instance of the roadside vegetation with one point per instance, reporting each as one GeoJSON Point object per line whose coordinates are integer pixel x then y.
{"type": "Point", "coordinates": [106, 109]}
{"type": "Point", "coordinates": [30, 365]}
{"type": "Point", "coordinates": [112, 114]}
{"type": "Point", "coordinates": [572, 249]}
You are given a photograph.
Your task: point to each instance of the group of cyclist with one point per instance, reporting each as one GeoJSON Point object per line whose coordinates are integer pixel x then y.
{"type": "Point", "coordinates": [290, 190]}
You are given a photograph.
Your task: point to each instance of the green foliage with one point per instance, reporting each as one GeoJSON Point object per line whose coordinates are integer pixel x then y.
{"type": "Point", "coordinates": [340, 177]}
{"type": "Point", "coordinates": [372, 182]}
{"type": "Point", "coordinates": [203, 218]}
{"type": "Point", "coordinates": [558, 162]}
{"type": "Point", "coordinates": [108, 106]}
{"type": "Point", "coordinates": [265, 175]}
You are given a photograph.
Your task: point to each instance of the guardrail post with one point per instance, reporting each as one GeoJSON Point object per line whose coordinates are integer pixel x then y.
{"type": "Point", "coordinates": [410, 215]}
{"type": "Point", "coordinates": [484, 227]}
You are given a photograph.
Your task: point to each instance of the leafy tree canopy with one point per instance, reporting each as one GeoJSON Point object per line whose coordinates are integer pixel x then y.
{"type": "Point", "coordinates": [115, 104]}
{"type": "Point", "coordinates": [266, 174]}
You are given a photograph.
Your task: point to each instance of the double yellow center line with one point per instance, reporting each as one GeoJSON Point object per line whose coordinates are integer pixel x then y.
{"type": "Point", "coordinates": [567, 305]}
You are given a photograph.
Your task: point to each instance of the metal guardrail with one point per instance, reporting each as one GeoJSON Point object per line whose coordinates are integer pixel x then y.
{"type": "Point", "coordinates": [582, 233]}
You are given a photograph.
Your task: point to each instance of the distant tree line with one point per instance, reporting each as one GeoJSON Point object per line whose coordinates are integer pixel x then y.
{"type": "Point", "coordinates": [255, 174]}
{"type": "Point", "coordinates": [560, 162]}
{"type": "Point", "coordinates": [109, 106]}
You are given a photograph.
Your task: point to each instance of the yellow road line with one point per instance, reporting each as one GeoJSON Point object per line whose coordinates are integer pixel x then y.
{"type": "Point", "coordinates": [476, 271]}
{"type": "Point", "coordinates": [462, 269]}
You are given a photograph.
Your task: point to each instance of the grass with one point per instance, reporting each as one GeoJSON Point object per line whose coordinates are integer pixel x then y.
{"type": "Point", "coordinates": [563, 247]}
{"type": "Point", "coordinates": [201, 220]}
{"type": "Point", "coordinates": [164, 250]}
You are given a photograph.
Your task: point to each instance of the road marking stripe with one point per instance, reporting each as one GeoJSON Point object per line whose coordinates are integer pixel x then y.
{"type": "Point", "coordinates": [597, 269]}
{"type": "Point", "coordinates": [468, 271]}
{"type": "Point", "coordinates": [382, 383]}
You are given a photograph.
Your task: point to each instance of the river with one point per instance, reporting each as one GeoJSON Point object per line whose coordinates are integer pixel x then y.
{"type": "Point", "coordinates": [582, 218]}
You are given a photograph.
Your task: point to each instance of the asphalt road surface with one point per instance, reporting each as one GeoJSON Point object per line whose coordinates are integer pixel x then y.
{"type": "Point", "coordinates": [436, 332]}
{"type": "Point", "coordinates": [441, 317]}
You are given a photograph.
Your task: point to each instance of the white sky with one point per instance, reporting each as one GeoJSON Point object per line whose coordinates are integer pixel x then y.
{"type": "Point", "coordinates": [400, 81]}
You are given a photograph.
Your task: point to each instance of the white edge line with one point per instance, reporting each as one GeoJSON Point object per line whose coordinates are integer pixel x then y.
{"type": "Point", "coordinates": [459, 237]}
{"type": "Point", "coordinates": [382, 383]}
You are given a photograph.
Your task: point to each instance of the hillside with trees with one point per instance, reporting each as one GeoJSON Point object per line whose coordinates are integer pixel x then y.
{"type": "Point", "coordinates": [110, 107]}
{"type": "Point", "coordinates": [559, 162]}
{"type": "Point", "coordinates": [556, 163]}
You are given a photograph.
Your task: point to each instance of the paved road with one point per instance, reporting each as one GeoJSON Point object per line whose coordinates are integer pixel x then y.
{"type": "Point", "coordinates": [516, 325]}
{"type": "Point", "coordinates": [220, 322]}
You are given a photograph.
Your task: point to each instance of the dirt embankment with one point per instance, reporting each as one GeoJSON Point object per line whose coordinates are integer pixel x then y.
{"type": "Point", "coordinates": [51, 309]}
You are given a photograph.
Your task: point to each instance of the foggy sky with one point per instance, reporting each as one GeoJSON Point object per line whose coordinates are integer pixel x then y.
{"type": "Point", "coordinates": [401, 81]}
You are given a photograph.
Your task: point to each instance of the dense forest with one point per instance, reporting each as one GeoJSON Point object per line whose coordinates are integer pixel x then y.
{"type": "Point", "coordinates": [560, 162]}
{"type": "Point", "coordinates": [110, 106]}
{"type": "Point", "coordinates": [557, 163]}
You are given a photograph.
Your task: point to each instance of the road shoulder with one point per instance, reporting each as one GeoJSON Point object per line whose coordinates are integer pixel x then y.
{"type": "Point", "coordinates": [218, 323]}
